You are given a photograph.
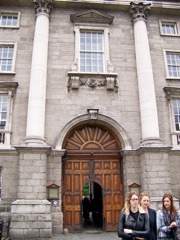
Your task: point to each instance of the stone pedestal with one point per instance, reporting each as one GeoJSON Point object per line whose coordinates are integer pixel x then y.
{"type": "Point", "coordinates": [31, 219]}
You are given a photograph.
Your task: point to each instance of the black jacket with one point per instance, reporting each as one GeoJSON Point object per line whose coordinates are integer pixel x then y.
{"type": "Point", "coordinates": [152, 223]}
{"type": "Point", "coordinates": [139, 228]}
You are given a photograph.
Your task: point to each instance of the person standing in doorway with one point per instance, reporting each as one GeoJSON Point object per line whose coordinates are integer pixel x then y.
{"type": "Point", "coordinates": [133, 222]}
{"type": "Point", "coordinates": [86, 209]}
{"type": "Point", "coordinates": [167, 218]}
{"type": "Point", "coordinates": [144, 200]}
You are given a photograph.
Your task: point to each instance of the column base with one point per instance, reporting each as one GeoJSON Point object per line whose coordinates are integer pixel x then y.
{"type": "Point", "coordinates": [151, 142]}
{"type": "Point", "coordinates": [35, 141]}
{"type": "Point", "coordinates": [31, 219]}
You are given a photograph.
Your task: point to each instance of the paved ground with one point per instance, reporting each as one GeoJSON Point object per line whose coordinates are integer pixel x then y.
{"type": "Point", "coordinates": [89, 235]}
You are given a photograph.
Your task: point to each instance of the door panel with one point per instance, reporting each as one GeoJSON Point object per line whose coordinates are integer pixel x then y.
{"type": "Point", "coordinates": [112, 191]}
{"type": "Point", "coordinates": [72, 193]}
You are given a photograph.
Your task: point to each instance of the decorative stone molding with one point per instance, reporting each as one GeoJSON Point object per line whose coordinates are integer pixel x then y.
{"type": "Point", "coordinates": [139, 11]}
{"type": "Point", "coordinates": [9, 86]}
{"type": "Point", "coordinates": [171, 91]}
{"type": "Point", "coordinates": [43, 6]}
{"type": "Point", "coordinates": [91, 16]}
{"type": "Point", "coordinates": [102, 120]}
{"type": "Point", "coordinates": [103, 80]}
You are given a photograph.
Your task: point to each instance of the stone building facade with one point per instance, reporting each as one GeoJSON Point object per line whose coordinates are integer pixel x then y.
{"type": "Point", "coordinates": [89, 92]}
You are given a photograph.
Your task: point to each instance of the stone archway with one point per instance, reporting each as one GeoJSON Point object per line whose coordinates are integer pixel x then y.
{"type": "Point", "coordinates": [92, 154]}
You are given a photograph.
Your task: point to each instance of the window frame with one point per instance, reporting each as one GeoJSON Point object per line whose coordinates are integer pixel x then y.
{"type": "Point", "coordinates": [165, 51]}
{"type": "Point", "coordinates": [11, 13]}
{"type": "Point", "coordinates": [93, 28]}
{"type": "Point", "coordinates": [4, 44]}
{"type": "Point", "coordinates": [176, 34]}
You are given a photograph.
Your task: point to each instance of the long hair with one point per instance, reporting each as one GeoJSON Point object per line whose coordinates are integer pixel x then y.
{"type": "Point", "coordinates": [143, 194]}
{"type": "Point", "coordinates": [127, 205]}
{"type": "Point", "coordinates": [173, 208]}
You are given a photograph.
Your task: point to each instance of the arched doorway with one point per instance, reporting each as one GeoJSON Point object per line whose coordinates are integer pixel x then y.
{"type": "Point", "coordinates": [92, 155]}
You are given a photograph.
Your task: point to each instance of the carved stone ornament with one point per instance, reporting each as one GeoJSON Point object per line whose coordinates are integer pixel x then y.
{"type": "Point", "coordinates": [43, 6]}
{"type": "Point", "coordinates": [76, 80]}
{"type": "Point", "coordinates": [139, 11]}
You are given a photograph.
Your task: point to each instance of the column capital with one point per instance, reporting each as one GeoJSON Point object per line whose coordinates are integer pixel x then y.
{"type": "Point", "coordinates": [138, 11]}
{"type": "Point", "coordinates": [43, 6]}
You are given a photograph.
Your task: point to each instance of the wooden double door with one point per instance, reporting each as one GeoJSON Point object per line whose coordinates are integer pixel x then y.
{"type": "Point", "coordinates": [92, 156]}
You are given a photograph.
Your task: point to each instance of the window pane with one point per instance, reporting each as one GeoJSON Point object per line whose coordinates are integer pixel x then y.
{"type": "Point", "coordinates": [169, 28]}
{"type": "Point", "coordinates": [8, 20]}
{"type": "Point", "coordinates": [173, 61]}
{"type": "Point", "coordinates": [91, 51]}
{"type": "Point", "coordinates": [6, 58]}
{"type": "Point", "coordinates": [176, 108]}
{"type": "Point", "coordinates": [3, 110]}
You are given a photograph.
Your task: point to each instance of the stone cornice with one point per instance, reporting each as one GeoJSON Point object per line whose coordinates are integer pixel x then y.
{"type": "Point", "coordinates": [171, 91]}
{"type": "Point", "coordinates": [43, 6]}
{"type": "Point", "coordinates": [138, 11]}
{"type": "Point", "coordinates": [157, 7]}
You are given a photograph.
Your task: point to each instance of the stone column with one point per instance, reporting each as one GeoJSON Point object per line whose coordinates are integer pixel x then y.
{"type": "Point", "coordinates": [147, 98]}
{"type": "Point", "coordinates": [37, 88]}
{"type": "Point", "coordinates": [31, 212]}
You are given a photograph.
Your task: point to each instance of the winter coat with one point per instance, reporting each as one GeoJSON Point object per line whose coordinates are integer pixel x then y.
{"type": "Point", "coordinates": [139, 229]}
{"type": "Point", "coordinates": [152, 223]}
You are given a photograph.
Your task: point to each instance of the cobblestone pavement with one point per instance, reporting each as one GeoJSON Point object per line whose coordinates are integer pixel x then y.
{"type": "Point", "coordinates": [91, 235]}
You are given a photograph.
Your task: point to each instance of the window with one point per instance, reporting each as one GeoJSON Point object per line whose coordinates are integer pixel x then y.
{"type": "Point", "coordinates": [173, 64]}
{"type": "Point", "coordinates": [176, 111]}
{"type": "Point", "coordinates": [173, 97]}
{"type": "Point", "coordinates": [7, 91]}
{"type": "Point", "coordinates": [92, 66]}
{"type": "Point", "coordinates": [9, 19]}
{"type": "Point", "coordinates": [169, 28]}
{"type": "Point", "coordinates": [7, 58]}
{"type": "Point", "coordinates": [3, 110]}
{"type": "Point", "coordinates": [91, 51]}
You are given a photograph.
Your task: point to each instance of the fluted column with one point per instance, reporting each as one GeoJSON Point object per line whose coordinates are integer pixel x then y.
{"type": "Point", "coordinates": [147, 98]}
{"type": "Point", "coordinates": [37, 90]}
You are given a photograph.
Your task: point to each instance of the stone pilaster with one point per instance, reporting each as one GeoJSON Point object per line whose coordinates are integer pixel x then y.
{"type": "Point", "coordinates": [147, 98]}
{"type": "Point", "coordinates": [37, 88]}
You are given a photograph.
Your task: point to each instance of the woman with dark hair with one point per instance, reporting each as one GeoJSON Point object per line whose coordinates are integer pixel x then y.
{"type": "Point", "coordinates": [144, 200]}
{"type": "Point", "coordinates": [133, 221]}
{"type": "Point", "coordinates": [167, 218]}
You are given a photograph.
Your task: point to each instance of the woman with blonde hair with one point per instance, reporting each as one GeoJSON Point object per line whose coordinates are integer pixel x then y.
{"type": "Point", "coordinates": [144, 200]}
{"type": "Point", "coordinates": [167, 218]}
{"type": "Point", "coordinates": [133, 222]}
